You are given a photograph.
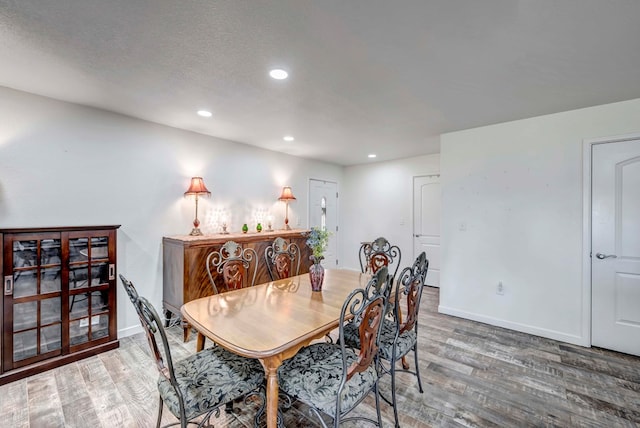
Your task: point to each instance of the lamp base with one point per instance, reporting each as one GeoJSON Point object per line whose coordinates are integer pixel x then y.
{"type": "Point", "coordinates": [196, 232]}
{"type": "Point", "coordinates": [286, 227]}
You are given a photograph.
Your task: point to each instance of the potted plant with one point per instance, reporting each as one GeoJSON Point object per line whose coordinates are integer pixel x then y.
{"type": "Point", "coordinates": [317, 240]}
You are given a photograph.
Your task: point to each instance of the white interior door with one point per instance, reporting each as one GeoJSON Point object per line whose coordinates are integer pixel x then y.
{"type": "Point", "coordinates": [426, 223]}
{"type": "Point", "coordinates": [615, 246]}
{"type": "Point", "coordinates": [323, 212]}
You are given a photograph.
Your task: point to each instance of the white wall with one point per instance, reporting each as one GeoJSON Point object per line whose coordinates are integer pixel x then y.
{"type": "Point", "coordinates": [518, 188]}
{"type": "Point", "coordinates": [65, 165]}
{"type": "Point", "coordinates": [377, 200]}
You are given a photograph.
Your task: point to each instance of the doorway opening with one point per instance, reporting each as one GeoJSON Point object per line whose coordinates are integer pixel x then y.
{"type": "Point", "coordinates": [323, 213]}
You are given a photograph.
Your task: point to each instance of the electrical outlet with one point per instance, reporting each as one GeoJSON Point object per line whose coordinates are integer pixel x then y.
{"type": "Point", "coordinates": [500, 288]}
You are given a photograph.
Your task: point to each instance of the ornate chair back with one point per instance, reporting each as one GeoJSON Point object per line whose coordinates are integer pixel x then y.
{"type": "Point", "coordinates": [401, 336]}
{"type": "Point", "coordinates": [283, 259]}
{"type": "Point", "coordinates": [378, 253]}
{"type": "Point", "coordinates": [152, 325]}
{"type": "Point", "coordinates": [366, 307]}
{"type": "Point", "coordinates": [410, 286]}
{"type": "Point", "coordinates": [236, 266]}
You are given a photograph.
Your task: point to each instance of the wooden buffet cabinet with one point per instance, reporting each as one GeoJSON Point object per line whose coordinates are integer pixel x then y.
{"type": "Point", "coordinates": [58, 299]}
{"type": "Point", "coordinates": [184, 257]}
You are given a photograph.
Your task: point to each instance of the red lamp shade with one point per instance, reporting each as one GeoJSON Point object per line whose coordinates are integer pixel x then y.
{"type": "Point", "coordinates": [287, 194]}
{"type": "Point", "coordinates": [197, 187]}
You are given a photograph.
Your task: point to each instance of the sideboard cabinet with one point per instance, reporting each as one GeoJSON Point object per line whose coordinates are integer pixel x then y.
{"type": "Point", "coordinates": [58, 299]}
{"type": "Point", "coordinates": [184, 262]}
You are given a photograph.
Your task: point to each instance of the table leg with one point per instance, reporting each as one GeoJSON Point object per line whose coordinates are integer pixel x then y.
{"type": "Point", "coordinates": [200, 342]}
{"type": "Point", "coordinates": [271, 365]}
{"type": "Point", "coordinates": [405, 364]}
{"type": "Point", "coordinates": [167, 317]}
{"type": "Point", "coordinates": [186, 330]}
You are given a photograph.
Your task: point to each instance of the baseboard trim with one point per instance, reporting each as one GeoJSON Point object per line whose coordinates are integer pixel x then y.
{"type": "Point", "coordinates": [524, 328]}
{"type": "Point", "coordinates": [129, 331]}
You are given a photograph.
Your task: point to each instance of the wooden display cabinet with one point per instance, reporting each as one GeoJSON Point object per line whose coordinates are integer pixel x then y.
{"type": "Point", "coordinates": [184, 263]}
{"type": "Point", "coordinates": [59, 297]}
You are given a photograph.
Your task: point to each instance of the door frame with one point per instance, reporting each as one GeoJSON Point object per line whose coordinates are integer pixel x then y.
{"type": "Point", "coordinates": [336, 234]}
{"type": "Point", "coordinates": [587, 163]}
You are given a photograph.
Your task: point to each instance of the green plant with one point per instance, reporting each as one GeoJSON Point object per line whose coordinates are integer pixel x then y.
{"type": "Point", "coordinates": [317, 240]}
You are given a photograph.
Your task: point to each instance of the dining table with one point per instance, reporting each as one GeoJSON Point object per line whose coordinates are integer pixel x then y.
{"type": "Point", "coordinates": [271, 322]}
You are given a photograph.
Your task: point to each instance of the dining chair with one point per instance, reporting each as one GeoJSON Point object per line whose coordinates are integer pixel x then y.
{"type": "Point", "coordinates": [399, 336]}
{"type": "Point", "coordinates": [201, 383]}
{"type": "Point", "coordinates": [282, 259]}
{"type": "Point", "coordinates": [332, 378]}
{"type": "Point", "coordinates": [378, 253]}
{"type": "Point", "coordinates": [236, 266]}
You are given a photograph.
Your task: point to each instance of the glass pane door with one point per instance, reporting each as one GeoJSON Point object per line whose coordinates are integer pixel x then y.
{"type": "Point", "coordinates": [35, 298]}
{"type": "Point", "coordinates": [88, 289]}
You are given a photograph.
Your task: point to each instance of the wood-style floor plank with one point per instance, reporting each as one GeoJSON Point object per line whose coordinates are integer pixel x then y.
{"type": "Point", "coordinates": [45, 408]}
{"type": "Point", "coordinates": [109, 404]}
{"type": "Point", "coordinates": [77, 406]}
{"type": "Point", "coordinates": [14, 410]}
{"type": "Point", "coordinates": [473, 375]}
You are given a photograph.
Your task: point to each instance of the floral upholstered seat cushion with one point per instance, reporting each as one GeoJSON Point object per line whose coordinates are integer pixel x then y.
{"type": "Point", "coordinates": [314, 375]}
{"type": "Point", "coordinates": [209, 378]}
{"type": "Point", "coordinates": [405, 341]}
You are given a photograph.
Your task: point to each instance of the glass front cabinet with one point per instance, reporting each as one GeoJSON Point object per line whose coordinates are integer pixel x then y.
{"type": "Point", "coordinates": [59, 297]}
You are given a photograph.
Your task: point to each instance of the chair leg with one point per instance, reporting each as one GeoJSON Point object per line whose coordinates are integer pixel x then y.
{"type": "Point", "coordinates": [160, 405]}
{"type": "Point", "coordinates": [415, 354]}
{"type": "Point", "coordinates": [393, 391]}
{"type": "Point", "coordinates": [377, 392]}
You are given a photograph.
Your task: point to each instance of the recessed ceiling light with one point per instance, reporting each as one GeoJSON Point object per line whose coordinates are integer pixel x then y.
{"type": "Point", "coordinates": [371, 155]}
{"type": "Point", "coordinates": [204, 113]}
{"type": "Point", "coordinates": [288, 138]}
{"type": "Point", "coordinates": [278, 73]}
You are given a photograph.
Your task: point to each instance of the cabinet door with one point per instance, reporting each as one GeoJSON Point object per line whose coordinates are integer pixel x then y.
{"type": "Point", "coordinates": [33, 281]}
{"type": "Point", "coordinates": [91, 297]}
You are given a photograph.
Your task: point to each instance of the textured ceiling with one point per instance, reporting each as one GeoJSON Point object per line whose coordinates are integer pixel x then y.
{"type": "Point", "coordinates": [365, 75]}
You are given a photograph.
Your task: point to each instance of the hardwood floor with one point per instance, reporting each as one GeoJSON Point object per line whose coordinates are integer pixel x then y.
{"type": "Point", "coordinates": [473, 375]}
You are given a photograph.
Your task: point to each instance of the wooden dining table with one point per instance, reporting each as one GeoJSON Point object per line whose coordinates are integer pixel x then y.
{"type": "Point", "coordinates": [272, 321]}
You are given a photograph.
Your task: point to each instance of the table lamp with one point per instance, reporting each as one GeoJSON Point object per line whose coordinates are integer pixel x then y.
{"type": "Point", "coordinates": [286, 196]}
{"type": "Point", "coordinates": [197, 188]}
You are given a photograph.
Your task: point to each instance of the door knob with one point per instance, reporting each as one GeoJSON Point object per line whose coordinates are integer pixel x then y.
{"type": "Point", "coordinates": [605, 256]}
